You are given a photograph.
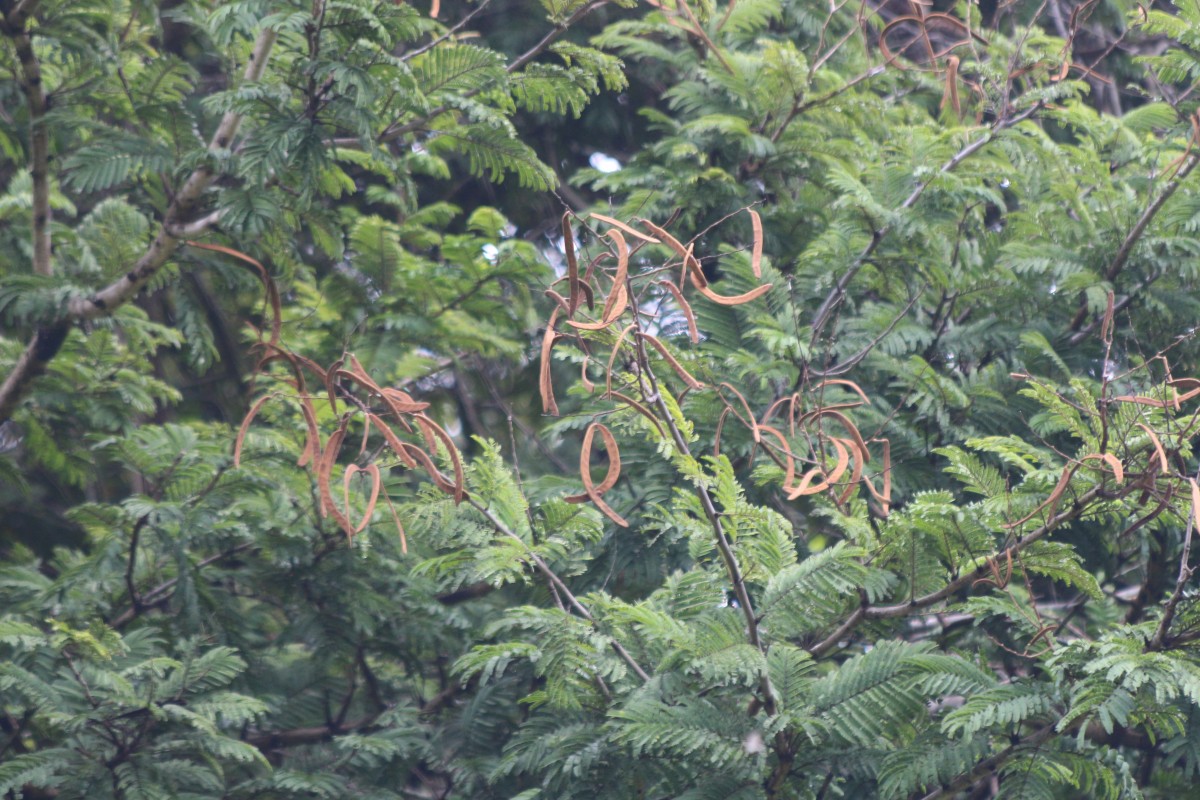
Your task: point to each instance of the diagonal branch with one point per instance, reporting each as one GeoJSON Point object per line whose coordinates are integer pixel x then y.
{"type": "Point", "coordinates": [557, 583]}
{"type": "Point", "coordinates": [47, 341]}
{"type": "Point", "coordinates": [1087, 330]}
{"type": "Point", "coordinates": [21, 11]}
{"type": "Point", "coordinates": [1159, 640]}
{"type": "Point", "coordinates": [1135, 234]}
{"type": "Point", "coordinates": [824, 312]}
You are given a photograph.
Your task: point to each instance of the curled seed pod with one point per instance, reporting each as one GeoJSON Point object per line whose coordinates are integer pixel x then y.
{"type": "Point", "coordinates": [614, 470]}
{"type": "Point", "coordinates": [376, 481]}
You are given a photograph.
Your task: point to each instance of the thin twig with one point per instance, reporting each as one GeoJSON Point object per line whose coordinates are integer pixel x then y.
{"type": "Point", "coordinates": [159, 593]}
{"type": "Point", "coordinates": [653, 396]}
{"type": "Point", "coordinates": [432, 43]}
{"type": "Point", "coordinates": [852, 361]}
{"type": "Point", "coordinates": [134, 541]}
{"type": "Point", "coordinates": [1118, 307]}
{"type": "Point", "coordinates": [557, 583]}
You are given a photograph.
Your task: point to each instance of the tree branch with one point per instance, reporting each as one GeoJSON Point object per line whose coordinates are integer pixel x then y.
{"type": "Point", "coordinates": [39, 134]}
{"type": "Point", "coordinates": [1086, 331]}
{"type": "Point", "coordinates": [292, 737]}
{"type": "Point", "coordinates": [47, 341]}
{"type": "Point", "coordinates": [1185, 574]}
{"type": "Point", "coordinates": [158, 594]}
{"type": "Point", "coordinates": [558, 584]}
{"type": "Point", "coordinates": [821, 318]}
{"type": "Point", "coordinates": [21, 11]}
{"type": "Point", "coordinates": [1135, 234]}
{"type": "Point", "coordinates": [865, 612]}
{"type": "Point", "coordinates": [135, 599]}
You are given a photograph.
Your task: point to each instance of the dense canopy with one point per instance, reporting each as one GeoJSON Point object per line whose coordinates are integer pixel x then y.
{"type": "Point", "coordinates": [563, 399]}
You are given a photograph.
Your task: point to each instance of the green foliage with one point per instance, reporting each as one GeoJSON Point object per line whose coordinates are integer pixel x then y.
{"type": "Point", "coordinates": [989, 591]}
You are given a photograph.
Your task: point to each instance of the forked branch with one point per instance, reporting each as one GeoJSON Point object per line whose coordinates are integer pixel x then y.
{"type": "Point", "coordinates": [46, 341]}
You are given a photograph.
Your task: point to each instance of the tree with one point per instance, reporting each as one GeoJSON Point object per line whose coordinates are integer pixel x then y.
{"type": "Point", "coordinates": [883, 327]}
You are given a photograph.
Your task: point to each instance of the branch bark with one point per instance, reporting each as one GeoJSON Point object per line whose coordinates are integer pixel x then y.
{"type": "Point", "coordinates": [14, 25]}
{"type": "Point", "coordinates": [47, 341]}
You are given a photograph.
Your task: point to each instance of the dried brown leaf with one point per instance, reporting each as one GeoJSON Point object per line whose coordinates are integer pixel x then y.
{"type": "Point", "coordinates": [1050, 502]}
{"type": "Point", "coordinates": [789, 461]}
{"type": "Point", "coordinates": [851, 385]}
{"type": "Point", "coordinates": [749, 420]}
{"type": "Point", "coordinates": [734, 300]}
{"type": "Point", "coordinates": [1106, 325]}
{"type": "Point", "coordinates": [1141, 401]}
{"type": "Point", "coordinates": [856, 474]}
{"type": "Point", "coordinates": [312, 438]}
{"type": "Point", "coordinates": [443, 483]}
{"type": "Point", "coordinates": [641, 409]}
{"type": "Point", "coordinates": [583, 376]}
{"type": "Point", "coordinates": [268, 284]}
{"type": "Point", "coordinates": [331, 382]}
{"type": "Point", "coordinates": [460, 480]}
{"type": "Point", "coordinates": [398, 447]}
{"type": "Point", "coordinates": [1112, 461]}
{"type": "Point", "coordinates": [618, 301]}
{"type": "Point", "coordinates": [324, 470]}
{"type": "Point", "coordinates": [884, 497]}
{"type": "Point", "coordinates": [622, 267]}
{"type": "Point", "coordinates": [667, 239]}
{"type": "Point", "coordinates": [807, 488]}
{"type": "Point", "coordinates": [1195, 502]}
{"type": "Point", "coordinates": [376, 483]}
{"type": "Point", "coordinates": [849, 427]}
{"type": "Point", "coordinates": [612, 358]}
{"type": "Point", "coordinates": [725, 412]}
{"type": "Point", "coordinates": [399, 526]}
{"type": "Point", "coordinates": [559, 300]}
